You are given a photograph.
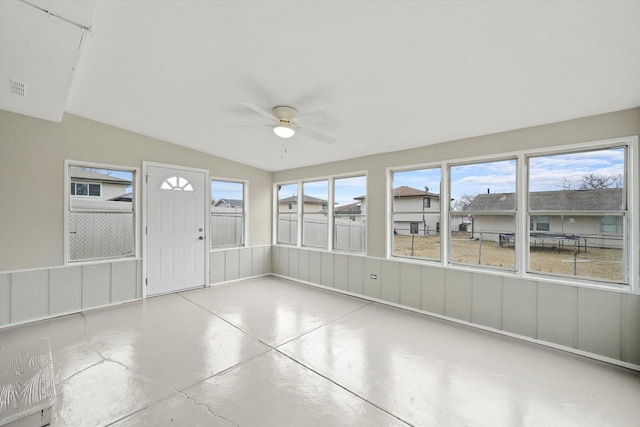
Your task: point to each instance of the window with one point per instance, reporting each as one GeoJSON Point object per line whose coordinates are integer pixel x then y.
{"type": "Point", "coordinates": [349, 223]}
{"type": "Point", "coordinates": [482, 216]}
{"type": "Point", "coordinates": [541, 223]}
{"type": "Point", "coordinates": [567, 218]}
{"type": "Point", "coordinates": [176, 183]}
{"type": "Point", "coordinates": [85, 189]}
{"type": "Point", "coordinates": [315, 226]}
{"type": "Point", "coordinates": [583, 197]}
{"type": "Point", "coordinates": [100, 214]}
{"type": "Point", "coordinates": [287, 214]}
{"type": "Point", "coordinates": [416, 213]}
{"type": "Point", "coordinates": [227, 213]}
{"type": "Point", "coordinates": [413, 228]}
{"type": "Point", "coordinates": [328, 214]}
{"type": "Point", "coordinates": [610, 224]}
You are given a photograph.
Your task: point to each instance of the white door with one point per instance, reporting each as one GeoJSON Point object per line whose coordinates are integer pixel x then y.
{"type": "Point", "coordinates": [176, 240]}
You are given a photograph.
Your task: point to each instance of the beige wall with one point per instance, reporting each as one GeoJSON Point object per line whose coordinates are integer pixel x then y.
{"type": "Point", "coordinates": [605, 126]}
{"type": "Point", "coordinates": [32, 155]}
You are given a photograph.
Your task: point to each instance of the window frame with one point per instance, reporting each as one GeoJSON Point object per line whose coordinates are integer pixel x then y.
{"type": "Point", "coordinates": [631, 221]}
{"type": "Point", "coordinates": [630, 168]}
{"type": "Point", "coordinates": [245, 203]}
{"type": "Point", "coordinates": [329, 212]}
{"type": "Point", "coordinates": [423, 212]}
{"type": "Point", "coordinates": [135, 209]}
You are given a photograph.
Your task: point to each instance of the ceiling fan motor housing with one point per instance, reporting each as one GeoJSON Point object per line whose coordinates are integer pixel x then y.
{"type": "Point", "coordinates": [284, 113]}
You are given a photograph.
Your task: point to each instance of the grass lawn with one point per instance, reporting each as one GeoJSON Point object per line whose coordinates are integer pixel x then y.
{"type": "Point", "coordinates": [597, 263]}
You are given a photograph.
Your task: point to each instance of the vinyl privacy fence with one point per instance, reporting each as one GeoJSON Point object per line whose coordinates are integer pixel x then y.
{"type": "Point", "coordinates": [349, 234]}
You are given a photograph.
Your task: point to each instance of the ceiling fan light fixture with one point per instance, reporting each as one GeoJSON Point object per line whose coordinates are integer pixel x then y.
{"type": "Point", "coordinates": [284, 130]}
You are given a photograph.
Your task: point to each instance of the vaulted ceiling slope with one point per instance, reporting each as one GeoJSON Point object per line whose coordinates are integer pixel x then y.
{"type": "Point", "coordinates": [390, 75]}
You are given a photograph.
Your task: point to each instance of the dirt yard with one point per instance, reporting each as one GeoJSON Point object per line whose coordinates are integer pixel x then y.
{"type": "Point", "coordinates": [595, 263]}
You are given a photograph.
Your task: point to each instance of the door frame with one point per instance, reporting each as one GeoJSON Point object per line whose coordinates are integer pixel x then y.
{"type": "Point", "coordinates": [207, 215]}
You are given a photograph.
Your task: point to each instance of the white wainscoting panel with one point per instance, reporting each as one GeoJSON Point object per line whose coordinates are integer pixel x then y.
{"type": "Point", "coordinates": [36, 294]}
{"type": "Point", "coordinates": [599, 322]}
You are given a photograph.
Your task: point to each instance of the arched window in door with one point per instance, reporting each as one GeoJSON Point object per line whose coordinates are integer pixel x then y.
{"type": "Point", "coordinates": [177, 183]}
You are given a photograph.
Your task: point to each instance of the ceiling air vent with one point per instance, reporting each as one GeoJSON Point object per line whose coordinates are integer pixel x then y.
{"type": "Point", "coordinates": [17, 88]}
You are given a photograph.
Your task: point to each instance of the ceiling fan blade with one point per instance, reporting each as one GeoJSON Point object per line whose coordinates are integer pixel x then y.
{"type": "Point", "coordinates": [316, 135]}
{"type": "Point", "coordinates": [314, 116]}
{"type": "Point", "coordinates": [249, 126]}
{"type": "Point", "coordinates": [259, 110]}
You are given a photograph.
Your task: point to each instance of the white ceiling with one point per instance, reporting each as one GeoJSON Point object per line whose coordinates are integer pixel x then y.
{"type": "Point", "coordinates": [391, 74]}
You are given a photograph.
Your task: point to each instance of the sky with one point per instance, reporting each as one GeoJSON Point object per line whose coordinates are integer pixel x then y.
{"type": "Point", "coordinates": [226, 190]}
{"type": "Point", "coordinates": [546, 173]}
{"type": "Point", "coordinates": [346, 189]}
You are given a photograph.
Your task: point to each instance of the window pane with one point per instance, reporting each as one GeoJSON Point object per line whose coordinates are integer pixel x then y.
{"type": "Point", "coordinates": [94, 190]}
{"type": "Point", "coordinates": [482, 218]}
{"type": "Point", "coordinates": [485, 240]}
{"type": "Point", "coordinates": [226, 230]}
{"type": "Point", "coordinates": [103, 225]}
{"type": "Point", "coordinates": [314, 217]}
{"type": "Point", "coordinates": [574, 247]}
{"type": "Point", "coordinates": [416, 213]}
{"type": "Point", "coordinates": [349, 214]}
{"type": "Point", "coordinates": [583, 181]}
{"type": "Point", "coordinates": [227, 213]}
{"type": "Point", "coordinates": [484, 186]}
{"type": "Point", "coordinates": [82, 189]}
{"type": "Point", "coordinates": [287, 214]}
{"type": "Point", "coordinates": [578, 241]}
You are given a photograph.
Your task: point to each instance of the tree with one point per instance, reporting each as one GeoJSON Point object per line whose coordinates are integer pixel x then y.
{"type": "Point", "coordinates": [593, 181]}
{"type": "Point", "coordinates": [462, 203]}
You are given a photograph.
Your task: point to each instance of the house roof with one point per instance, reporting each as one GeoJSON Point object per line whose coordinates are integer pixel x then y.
{"type": "Point", "coordinates": [79, 173]}
{"type": "Point", "coordinates": [126, 197]}
{"type": "Point", "coordinates": [233, 202]}
{"type": "Point", "coordinates": [306, 199]}
{"type": "Point", "coordinates": [350, 208]}
{"type": "Point", "coordinates": [406, 191]}
{"type": "Point", "coordinates": [606, 199]}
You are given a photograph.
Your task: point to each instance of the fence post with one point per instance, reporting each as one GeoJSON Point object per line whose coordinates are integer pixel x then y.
{"type": "Point", "coordinates": [575, 257]}
{"type": "Point", "coordinates": [480, 250]}
{"type": "Point", "coordinates": [413, 237]}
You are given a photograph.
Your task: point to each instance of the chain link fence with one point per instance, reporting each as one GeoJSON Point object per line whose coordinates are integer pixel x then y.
{"type": "Point", "coordinates": [585, 256]}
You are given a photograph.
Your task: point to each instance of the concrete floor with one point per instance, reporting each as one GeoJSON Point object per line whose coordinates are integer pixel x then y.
{"type": "Point", "coordinates": [268, 352]}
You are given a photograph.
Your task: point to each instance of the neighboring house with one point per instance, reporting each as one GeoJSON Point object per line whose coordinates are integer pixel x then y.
{"type": "Point", "coordinates": [417, 211]}
{"type": "Point", "coordinates": [227, 205]}
{"type": "Point", "coordinates": [352, 209]}
{"type": "Point", "coordinates": [92, 190]}
{"type": "Point", "coordinates": [600, 230]}
{"type": "Point", "coordinates": [310, 204]}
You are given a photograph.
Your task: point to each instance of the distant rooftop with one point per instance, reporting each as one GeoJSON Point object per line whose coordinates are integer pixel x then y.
{"type": "Point", "coordinates": [605, 199]}
{"type": "Point", "coordinates": [306, 199]}
{"type": "Point", "coordinates": [80, 173]}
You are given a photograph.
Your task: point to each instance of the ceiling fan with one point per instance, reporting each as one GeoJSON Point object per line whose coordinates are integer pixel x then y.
{"type": "Point", "coordinates": [286, 121]}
